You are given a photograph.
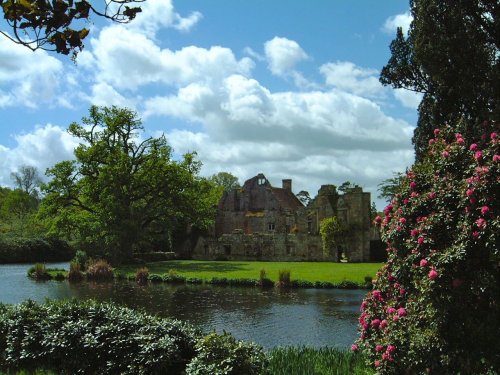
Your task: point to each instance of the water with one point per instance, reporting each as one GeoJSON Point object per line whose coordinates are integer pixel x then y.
{"type": "Point", "coordinates": [312, 317]}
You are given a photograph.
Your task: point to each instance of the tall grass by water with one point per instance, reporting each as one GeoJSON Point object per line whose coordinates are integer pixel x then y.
{"type": "Point", "coordinates": [310, 361]}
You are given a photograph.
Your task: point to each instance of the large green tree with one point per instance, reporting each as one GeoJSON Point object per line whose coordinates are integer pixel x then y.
{"type": "Point", "coordinates": [451, 55]}
{"type": "Point", "coordinates": [225, 180]}
{"type": "Point", "coordinates": [123, 193]}
{"type": "Point", "coordinates": [59, 25]}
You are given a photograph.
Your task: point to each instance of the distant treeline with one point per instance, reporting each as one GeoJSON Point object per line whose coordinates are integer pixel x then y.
{"type": "Point", "coordinates": [29, 250]}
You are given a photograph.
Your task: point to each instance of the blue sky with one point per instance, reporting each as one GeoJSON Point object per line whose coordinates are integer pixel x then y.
{"type": "Point", "coordinates": [287, 88]}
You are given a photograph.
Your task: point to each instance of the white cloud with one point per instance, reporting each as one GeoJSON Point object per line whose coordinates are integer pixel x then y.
{"type": "Point", "coordinates": [157, 14]}
{"type": "Point", "coordinates": [282, 55]}
{"type": "Point", "coordinates": [41, 148]}
{"type": "Point", "coordinates": [409, 99]}
{"type": "Point", "coordinates": [28, 78]}
{"type": "Point", "coordinates": [399, 20]}
{"type": "Point", "coordinates": [346, 76]}
{"type": "Point", "coordinates": [128, 60]}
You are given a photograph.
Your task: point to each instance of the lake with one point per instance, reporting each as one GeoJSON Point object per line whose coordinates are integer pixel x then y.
{"type": "Point", "coordinates": [269, 317]}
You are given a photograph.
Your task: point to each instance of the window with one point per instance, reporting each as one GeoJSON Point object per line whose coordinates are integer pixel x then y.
{"type": "Point", "coordinates": [227, 249]}
{"type": "Point", "coordinates": [271, 227]}
{"type": "Point", "coordinates": [262, 181]}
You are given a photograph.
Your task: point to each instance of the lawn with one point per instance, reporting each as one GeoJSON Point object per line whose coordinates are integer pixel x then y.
{"type": "Point", "coordinates": [307, 271]}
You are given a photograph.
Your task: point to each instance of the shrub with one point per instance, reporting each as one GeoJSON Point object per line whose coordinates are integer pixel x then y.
{"type": "Point", "coordinates": [39, 272]}
{"type": "Point", "coordinates": [81, 259]}
{"type": "Point", "coordinates": [29, 250]}
{"type": "Point", "coordinates": [283, 279]}
{"type": "Point", "coordinates": [264, 281]}
{"type": "Point", "coordinates": [75, 274]}
{"type": "Point", "coordinates": [142, 275]}
{"type": "Point", "coordinates": [70, 337]}
{"type": "Point", "coordinates": [303, 284]}
{"type": "Point", "coordinates": [155, 278]}
{"type": "Point", "coordinates": [223, 355]}
{"type": "Point", "coordinates": [435, 305]}
{"type": "Point", "coordinates": [99, 270]}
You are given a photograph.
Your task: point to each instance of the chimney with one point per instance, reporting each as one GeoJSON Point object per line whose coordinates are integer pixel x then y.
{"type": "Point", "coordinates": [287, 185]}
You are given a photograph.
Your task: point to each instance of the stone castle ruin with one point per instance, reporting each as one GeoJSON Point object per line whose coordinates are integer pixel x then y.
{"type": "Point", "coordinates": [262, 222]}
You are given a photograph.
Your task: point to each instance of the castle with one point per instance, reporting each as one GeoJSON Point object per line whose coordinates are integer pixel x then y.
{"type": "Point", "coordinates": [262, 222]}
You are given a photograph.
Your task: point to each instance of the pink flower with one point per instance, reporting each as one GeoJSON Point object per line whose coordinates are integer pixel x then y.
{"type": "Point", "coordinates": [469, 192]}
{"type": "Point", "coordinates": [433, 274]}
{"type": "Point", "coordinates": [485, 210]}
{"type": "Point", "coordinates": [375, 323]}
{"type": "Point", "coordinates": [496, 157]}
{"type": "Point", "coordinates": [493, 136]}
{"type": "Point", "coordinates": [432, 141]}
{"type": "Point", "coordinates": [472, 200]}
{"type": "Point", "coordinates": [376, 294]}
{"type": "Point", "coordinates": [414, 232]}
{"type": "Point", "coordinates": [354, 348]}
{"type": "Point", "coordinates": [481, 223]}
{"type": "Point", "coordinates": [414, 194]}
{"type": "Point", "coordinates": [402, 311]}
{"type": "Point", "coordinates": [406, 201]}
{"type": "Point", "coordinates": [378, 220]}
{"type": "Point", "coordinates": [413, 185]}
{"type": "Point", "coordinates": [432, 195]}
{"type": "Point", "coordinates": [478, 155]}
{"type": "Point", "coordinates": [391, 310]}
{"type": "Point", "coordinates": [364, 305]}
{"type": "Point", "coordinates": [445, 154]}
{"type": "Point", "coordinates": [377, 363]}
{"type": "Point", "coordinates": [395, 318]}
{"type": "Point", "coordinates": [460, 141]}
{"type": "Point", "coordinates": [387, 209]}
{"type": "Point", "coordinates": [420, 240]}
{"type": "Point", "coordinates": [424, 262]}
{"type": "Point", "coordinates": [402, 220]}
{"type": "Point", "coordinates": [383, 324]}
{"type": "Point", "coordinates": [458, 135]}
{"type": "Point", "coordinates": [436, 132]}
{"type": "Point", "coordinates": [402, 291]}
{"type": "Point", "coordinates": [391, 348]}
{"type": "Point", "coordinates": [475, 234]}
{"type": "Point", "coordinates": [379, 348]}
{"type": "Point", "coordinates": [473, 147]}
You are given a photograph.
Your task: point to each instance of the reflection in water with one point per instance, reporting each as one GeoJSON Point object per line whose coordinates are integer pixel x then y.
{"type": "Point", "coordinates": [269, 317]}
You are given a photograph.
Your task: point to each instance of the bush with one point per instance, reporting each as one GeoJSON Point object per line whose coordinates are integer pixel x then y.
{"type": "Point", "coordinates": [99, 270]}
{"type": "Point", "coordinates": [223, 355]}
{"type": "Point", "coordinates": [29, 250]}
{"type": "Point", "coordinates": [81, 259]}
{"type": "Point", "coordinates": [39, 272]}
{"type": "Point", "coordinates": [142, 275]}
{"type": "Point", "coordinates": [264, 281]}
{"type": "Point", "coordinates": [71, 337]}
{"type": "Point", "coordinates": [436, 303]}
{"type": "Point", "coordinates": [75, 274]}
{"type": "Point", "coordinates": [283, 279]}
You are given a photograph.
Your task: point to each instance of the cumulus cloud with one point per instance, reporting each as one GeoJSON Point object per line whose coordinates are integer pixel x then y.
{"type": "Point", "coordinates": [399, 20]}
{"type": "Point", "coordinates": [282, 55]}
{"type": "Point", "coordinates": [346, 76]}
{"type": "Point", "coordinates": [127, 60]}
{"type": "Point", "coordinates": [28, 78]}
{"type": "Point", "coordinates": [41, 148]}
{"type": "Point", "coordinates": [157, 14]}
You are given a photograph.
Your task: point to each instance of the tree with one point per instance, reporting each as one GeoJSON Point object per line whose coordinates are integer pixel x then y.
{"type": "Point", "coordinates": [333, 233]}
{"type": "Point", "coordinates": [55, 25]}
{"type": "Point", "coordinates": [123, 194]}
{"type": "Point", "coordinates": [346, 186]}
{"type": "Point", "coordinates": [225, 180]}
{"type": "Point", "coordinates": [27, 179]}
{"type": "Point", "coordinates": [390, 186]}
{"type": "Point", "coordinates": [435, 304]}
{"type": "Point", "coordinates": [451, 56]}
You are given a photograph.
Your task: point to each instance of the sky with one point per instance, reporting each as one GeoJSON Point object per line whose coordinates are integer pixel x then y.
{"type": "Point", "coordinates": [287, 88]}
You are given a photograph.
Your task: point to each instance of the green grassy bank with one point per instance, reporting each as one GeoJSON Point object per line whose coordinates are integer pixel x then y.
{"type": "Point", "coordinates": [307, 271]}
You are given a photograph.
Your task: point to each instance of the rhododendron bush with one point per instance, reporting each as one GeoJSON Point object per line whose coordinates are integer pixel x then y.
{"type": "Point", "coordinates": [435, 305]}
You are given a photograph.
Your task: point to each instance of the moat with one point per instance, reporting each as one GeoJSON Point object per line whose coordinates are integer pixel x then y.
{"type": "Point", "coordinates": [312, 317]}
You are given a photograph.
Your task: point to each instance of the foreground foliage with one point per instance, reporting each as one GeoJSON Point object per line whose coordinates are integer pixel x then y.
{"type": "Point", "coordinates": [73, 337]}
{"type": "Point", "coordinates": [436, 303]}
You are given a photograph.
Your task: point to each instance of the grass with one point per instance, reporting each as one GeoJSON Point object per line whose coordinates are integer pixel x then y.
{"type": "Point", "coordinates": [309, 361]}
{"type": "Point", "coordinates": [307, 271]}
{"type": "Point", "coordinates": [300, 361]}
